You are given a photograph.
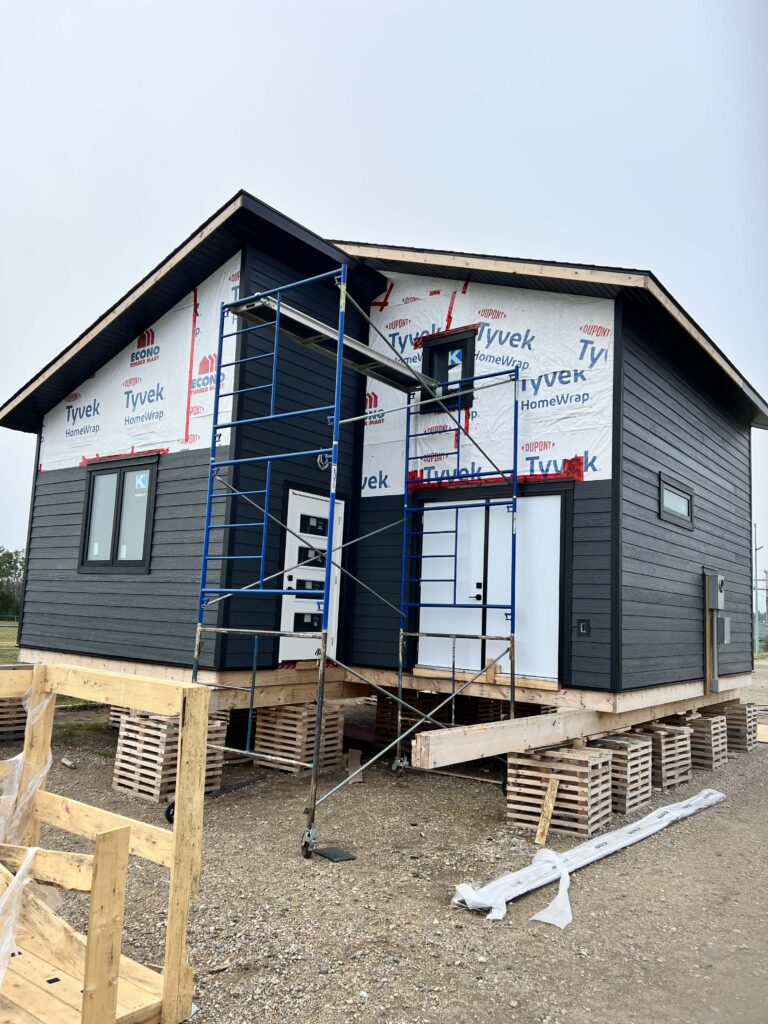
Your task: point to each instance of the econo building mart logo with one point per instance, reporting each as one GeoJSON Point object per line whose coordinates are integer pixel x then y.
{"type": "Point", "coordinates": [372, 414]}
{"type": "Point", "coordinates": [206, 375]}
{"type": "Point", "coordinates": [147, 349]}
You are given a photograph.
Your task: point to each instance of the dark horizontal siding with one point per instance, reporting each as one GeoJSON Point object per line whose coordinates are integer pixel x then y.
{"type": "Point", "coordinates": [673, 423]}
{"type": "Point", "coordinates": [591, 585]}
{"type": "Point", "coordinates": [143, 617]}
{"type": "Point", "coordinates": [305, 379]}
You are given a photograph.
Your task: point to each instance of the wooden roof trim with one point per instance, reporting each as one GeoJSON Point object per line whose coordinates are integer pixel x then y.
{"type": "Point", "coordinates": [457, 261]}
{"type": "Point", "coordinates": [593, 275]}
{"type": "Point", "coordinates": [128, 300]}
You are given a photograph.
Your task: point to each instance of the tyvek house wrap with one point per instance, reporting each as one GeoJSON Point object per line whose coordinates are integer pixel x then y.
{"type": "Point", "coordinates": [563, 348]}
{"type": "Point", "coordinates": [157, 393]}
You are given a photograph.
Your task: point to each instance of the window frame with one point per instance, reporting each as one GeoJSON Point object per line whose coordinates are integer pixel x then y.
{"type": "Point", "coordinates": [459, 336]}
{"type": "Point", "coordinates": [112, 566]}
{"type": "Point", "coordinates": [667, 482]}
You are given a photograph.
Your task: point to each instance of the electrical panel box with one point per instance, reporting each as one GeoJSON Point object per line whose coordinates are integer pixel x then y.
{"type": "Point", "coordinates": [715, 585]}
{"type": "Point", "coordinates": [723, 629]}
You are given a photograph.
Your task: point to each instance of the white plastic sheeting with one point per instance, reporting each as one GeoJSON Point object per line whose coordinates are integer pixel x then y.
{"type": "Point", "coordinates": [15, 807]}
{"type": "Point", "coordinates": [548, 866]}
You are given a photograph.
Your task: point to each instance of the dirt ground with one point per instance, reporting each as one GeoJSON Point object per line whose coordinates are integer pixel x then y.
{"type": "Point", "coordinates": [674, 929]}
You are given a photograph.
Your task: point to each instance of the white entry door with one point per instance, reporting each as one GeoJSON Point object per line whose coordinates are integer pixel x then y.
{"type": "Point", "coordinates": [484, 565]}
{"type": "Point", "coordinates": [308, 521]}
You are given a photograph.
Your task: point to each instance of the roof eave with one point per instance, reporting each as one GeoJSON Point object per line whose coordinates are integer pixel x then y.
{"type": "Point", "coordinates": [612, 276]}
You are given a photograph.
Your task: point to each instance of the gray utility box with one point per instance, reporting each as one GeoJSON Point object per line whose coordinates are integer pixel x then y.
{"type": "Point", "coordinates": [715, 585]}
{"type": "Point", "coordinates": [723, 629]}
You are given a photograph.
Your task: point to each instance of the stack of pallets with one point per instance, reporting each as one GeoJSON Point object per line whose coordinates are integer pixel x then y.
{"type": "Point", "coordinates": [468, 711]}
{"type": "Point", "coordinates": [116, 715]}
{"type": "Point", "coordinates": [583, 800]}
{"type": "Point", "coordinates": [630, 770]}
{"type": "Point", "coordinates": [709, 739]}
{"type": "Point", "coordinates": [13, 719]}
{"type": "Point", "coordinates": [288, 732]}
{"type": "Point", "coordinates": [147, 752]}
{"type": "Point", "coordinates": [741, 722]}
{"type": "Point", "coordinates": [671, 761]}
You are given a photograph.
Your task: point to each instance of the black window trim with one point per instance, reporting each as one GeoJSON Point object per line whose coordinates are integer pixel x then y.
{"type": "Point", "coordinates": [672, 484]}
{"type": "Point", "coordinates": [120, 466]}
{"type": "Point", "coordinates": [464, 336]}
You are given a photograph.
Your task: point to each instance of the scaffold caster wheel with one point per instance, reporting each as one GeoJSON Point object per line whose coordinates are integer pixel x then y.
{"type": "Point", "coordinates": [308, 842]}
{"type": "Point", "coordinates": [398, 767]}
{"type": "Point", "coordinates": [170, 811]}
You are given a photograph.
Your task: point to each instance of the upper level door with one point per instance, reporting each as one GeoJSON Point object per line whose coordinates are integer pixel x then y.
{"type": "Point", "coordinates": [307, 542]}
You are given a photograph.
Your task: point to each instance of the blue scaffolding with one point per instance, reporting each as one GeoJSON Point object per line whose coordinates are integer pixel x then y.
{"type": "Point", "coordinates": [267, 315]}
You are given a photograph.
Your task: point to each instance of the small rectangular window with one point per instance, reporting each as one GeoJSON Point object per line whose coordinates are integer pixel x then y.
{"type": "Point", "coordinates": [675, 502]}
{"type": "Point", "coordinates": [307, 622]}
{"type": "Point", "coordinates": [311, 557]}
{"type": "Point", "coordinates": [449, 358]}
{"type": "Point", "coordinates": [315, 526]}
{"type": "Point", "coordinates": [117, 518]}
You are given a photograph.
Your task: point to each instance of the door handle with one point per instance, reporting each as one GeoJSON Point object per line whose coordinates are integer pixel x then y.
{"type": "Point", "coordinates": [477, 597]}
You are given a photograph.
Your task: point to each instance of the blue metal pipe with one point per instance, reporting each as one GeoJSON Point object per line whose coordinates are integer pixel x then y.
{"type": "Point", "coordinates": [277, 416]}
{"type": "Point", "coordinates": [248, 359]}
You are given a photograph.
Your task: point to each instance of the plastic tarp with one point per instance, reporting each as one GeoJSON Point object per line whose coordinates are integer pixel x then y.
{"type": "Point", "coordinates": [548, 866]}
{"type": "Point", "coordinates": [16, 801]}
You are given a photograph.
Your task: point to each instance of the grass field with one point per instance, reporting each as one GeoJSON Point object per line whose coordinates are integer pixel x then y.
{"type": "Point", "coordinates": [9, 651]}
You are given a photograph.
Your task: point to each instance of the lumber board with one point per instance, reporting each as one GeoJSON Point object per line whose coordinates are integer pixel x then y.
{"type": "Point", "coordinates": [142, 693]}
{"type": "Point", "coordinates": [53, 867]}
{"type": "Point", "coordinates": [148, 841]}
{"type": "Point", "coordinates": [437, 749]}
{"type": "Point", "coordinates": [546, 811]}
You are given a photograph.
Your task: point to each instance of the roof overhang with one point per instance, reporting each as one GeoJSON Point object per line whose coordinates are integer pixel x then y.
{"type": "Point", "coordinates": [606, 282]}
{"type": "Point", "coordinates": [242, 220]}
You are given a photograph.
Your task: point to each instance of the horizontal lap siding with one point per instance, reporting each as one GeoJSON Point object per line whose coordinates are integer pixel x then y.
{"type": "Point", "coordinates": [672, 425]}
{"type": "Point", "coordinates": [305, 380]}
{"type": "Point", "coordinates": [143, 617]}
{"type": "Point", "coordinates": [591, 585]}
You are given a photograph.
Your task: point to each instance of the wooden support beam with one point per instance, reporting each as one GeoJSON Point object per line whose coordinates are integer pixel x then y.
{"type": "Point", "coordinates": [37, 749]}
{"type": "Point", "coordinates": [178, 975]}
{"type": "Point", "coordinates": [53, 867]}
{"type": "Point", "coordinates": [15, 680]}
{"type": "Point", "coordinates": [441, 747]}
{"type": "Point", "coordinates": [157, 696]}
{"type": "Point", "coordinates": [105, 927]}
{"type": "Point", "coordinates": [148, 841]}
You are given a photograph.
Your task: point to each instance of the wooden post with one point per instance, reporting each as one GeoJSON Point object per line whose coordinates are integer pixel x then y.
{"type": "Point", "coordinates": [105, 927]}
{"type": "Point", "coordinates": [37, 746]}
{"type": "Point", "coordinates": [547, 806]}
{"type": "Point", "coordinates": [178, 976]}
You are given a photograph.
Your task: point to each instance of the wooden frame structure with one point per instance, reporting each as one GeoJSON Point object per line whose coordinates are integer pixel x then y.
{"type": "Point", "coordinates": [95, 983]}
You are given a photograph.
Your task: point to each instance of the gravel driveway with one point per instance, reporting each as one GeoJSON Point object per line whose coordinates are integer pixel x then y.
{"type": "Point", "coordinates": [674, 929]}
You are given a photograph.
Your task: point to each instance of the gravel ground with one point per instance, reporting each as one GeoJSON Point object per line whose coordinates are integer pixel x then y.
{"type": "Point", "coordinates": [673, 929]}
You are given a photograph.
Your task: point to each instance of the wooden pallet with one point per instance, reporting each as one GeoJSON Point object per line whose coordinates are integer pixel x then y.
{"type": "Point", "coordinates": [116, 715]}
{"type": "Point", "coordinates": [583, 800]}
{"type": "Point", "coordinates": [671, 760]}
{"type": "Point", "coordinates": [631, 768]}
{"type": "Point", "coordinates": [741, 721]}
{"type": "Point", "coordinates": [147, 755]}
{"type": "Point", "coordinates": [13, 719]}
{"type": "Point", "coordinates": [289, 732]}
{"type": "Point", "coordinates": [468, 711]}
{"type": "Point", "coordinates": [709, 739]}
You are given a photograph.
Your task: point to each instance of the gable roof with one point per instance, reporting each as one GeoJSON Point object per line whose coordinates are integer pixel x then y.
{"type": "Point", "coordinates": [241, 220]}
{"type": "Point", "coordinates": [246, 219]}
{"type": "Point", "coordinates": [641, 286]}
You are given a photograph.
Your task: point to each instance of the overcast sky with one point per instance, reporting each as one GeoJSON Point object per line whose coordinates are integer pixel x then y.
{"type": "Point", "coordinates": [592, 132]}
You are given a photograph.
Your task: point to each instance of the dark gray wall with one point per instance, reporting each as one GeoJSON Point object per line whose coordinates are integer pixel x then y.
{"type": "Point", "coordinates": [305, 379]}
{"type": "Point", "coordinates": [146, 617]}
{"type": "Point", "coordinates": [590, 657]}
{"type": "Point", "coordinates": [674, 422]}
